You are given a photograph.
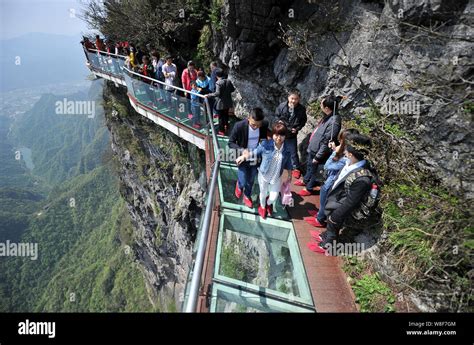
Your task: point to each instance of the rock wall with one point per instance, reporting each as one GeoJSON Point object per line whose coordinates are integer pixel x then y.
{"type": "Point", "coordinates": [161, 180]}
{"type": "Point", "coordinates": [385, 50]}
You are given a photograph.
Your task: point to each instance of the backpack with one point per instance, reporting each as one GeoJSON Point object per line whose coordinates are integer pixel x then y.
{"type": "Point", "coordinates": [370, 203]}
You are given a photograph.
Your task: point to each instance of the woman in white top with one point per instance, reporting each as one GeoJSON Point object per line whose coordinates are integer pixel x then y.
{"type": "Point", "coordinates": [276, 157]}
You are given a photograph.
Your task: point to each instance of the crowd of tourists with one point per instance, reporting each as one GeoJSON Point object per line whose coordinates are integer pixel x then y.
{"type": "Point", "coordinates": [337, 167]}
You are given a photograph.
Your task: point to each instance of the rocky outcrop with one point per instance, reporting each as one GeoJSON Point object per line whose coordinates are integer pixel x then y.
{"type": "Point", "coordinates": [159, 175]}
{"type": "Point", "coordinates": [407, 59]}
{"type": "Point", "coordinates": [410, 57]}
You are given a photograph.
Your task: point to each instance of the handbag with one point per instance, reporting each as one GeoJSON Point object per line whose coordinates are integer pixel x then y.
{"type": "Point", "coordinates": [286, 196]}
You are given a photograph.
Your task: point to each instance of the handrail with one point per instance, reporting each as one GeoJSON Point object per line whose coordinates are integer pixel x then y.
{"type": "Point", "coordinates": [107, 53]}
{"type": "Point", "coordinates": [146, 77]}
{"type": "Point", "coordinates": [199, 261]}
{"type": "Point", "coordinates": [206, 221]}
{"type": "Point", "coordinates": [162, 83]}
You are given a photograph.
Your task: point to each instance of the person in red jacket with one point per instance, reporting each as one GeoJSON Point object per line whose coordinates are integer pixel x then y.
{"type": "Point", "coordinates": [99, 43]}
{"type": "Point", "coordinates": [189, 74]}
{"type": "Point", "coordinates": [148, 70]}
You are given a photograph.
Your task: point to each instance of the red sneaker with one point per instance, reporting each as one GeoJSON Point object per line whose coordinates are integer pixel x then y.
{"type": "Point", "coordinates": [197, 126]}
{"type": "Point", "coordinates": [221, 133]}
{"type": "Point", "coordinates": [314, 247]}
{"type": "Point", "coordinates": [316, 235]}
{"type": "Point", "coordinates": [318, 224]}
{"type": "Point", "coordinates": [248, 202]}
{"type": "Point", "coordinates": [304, 192]}
{"type": "Point", "coordinates": [313, 213]}
{"type": "Point", "coordinates": [296, 173]}
{"type": "Point", "coordinates": [314, 222]}
{"type": "Point", "coordinates": [269, 210]}
{"type": "Point", "coordinates": [262, 212]}
{"type": "Point", "coordinates": [299, 183]}
{"type": "Point", "coordinates": [238, 191]}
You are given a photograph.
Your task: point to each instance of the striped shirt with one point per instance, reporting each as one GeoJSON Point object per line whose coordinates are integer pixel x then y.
{"type": "Point", "coordinates": [273, 173]}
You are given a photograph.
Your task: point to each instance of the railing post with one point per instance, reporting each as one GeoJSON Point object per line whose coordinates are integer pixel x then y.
{"type": "Point", "coordinates": [205, 227]}
{"type": "Point", "coordinates": [195, 284]}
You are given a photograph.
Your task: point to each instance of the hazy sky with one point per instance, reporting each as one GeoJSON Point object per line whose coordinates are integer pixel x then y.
{"type": "Point", "coordinates": [18, 17]}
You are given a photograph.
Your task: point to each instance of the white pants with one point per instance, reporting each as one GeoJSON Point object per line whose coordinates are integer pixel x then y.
{"type": "Point", "coordinates": [267, 188]}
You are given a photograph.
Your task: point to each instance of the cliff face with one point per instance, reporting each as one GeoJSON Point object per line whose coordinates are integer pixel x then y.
{"type": "Point", "coordinates": [408, 60]}
{"type": "Point", "coordinates": [409, 57]}
{"type": "Point", "coordinates": [159, 177]}
{"type": "Point", "coordinates": [405, 68]}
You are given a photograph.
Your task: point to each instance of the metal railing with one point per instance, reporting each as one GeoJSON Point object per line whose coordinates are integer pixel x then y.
{"type": "Point", "coordinates": [163, 83]}
{"type": "Point", "coordinates": [144, 76]}
{"type": "Point", "coordinates": [107, 53]}
{"type": "Point", "coordinates": [197, 268]}
{"type": "Point", "coordinates": [205, 224]}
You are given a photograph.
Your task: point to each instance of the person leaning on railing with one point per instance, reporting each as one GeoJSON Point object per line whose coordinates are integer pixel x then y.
{"type": "Point", "coordinates": [169, 72]}
{"type": "Point", "coordinates": [99, 43]}
{"type": "Point", "coordinates": [189, 74]}
{"type": "Point", "coordinates": [130, 61]}
{"type": "Point", "coordinates": [195, 105]}
{"type": "Point", "coordinates": [87, 44]}
{"type": "Point", "coordinates": [158, 63]}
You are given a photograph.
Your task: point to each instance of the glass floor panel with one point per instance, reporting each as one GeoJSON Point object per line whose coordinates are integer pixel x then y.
{"type": "Point", "coordinates": [226, 299]}
{"type": "Point", "coordinates": [227, 180]}
{"type": "Point", "coordinates": [225, 151]}
{"type": "Point", "coordinates": [261, 255]}
{"type": "Point", "coordinates": [222, 141]}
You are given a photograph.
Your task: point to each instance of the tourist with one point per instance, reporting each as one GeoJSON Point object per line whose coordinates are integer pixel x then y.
{"type": "Point", "coordinates": [169, 72]}
{"type": "Point", "coordinates": [244, 138]}
{"type": "Point", "coordinates": [276, 158]}
{"type": "Point", "coordinates": [333, 165]}
{"type": "Point", "coordinates": [318, 150]}
{"type": "Point", "coordinates": [189, 74]}
{"type": "Point", "coordinates": [355, 184]}
{"type": "Point", "coordinates": [195, 105]}
{"type": "Point", "coordinates": [223, 101]}
{"type": "Point", "coordinates": [293, 114]}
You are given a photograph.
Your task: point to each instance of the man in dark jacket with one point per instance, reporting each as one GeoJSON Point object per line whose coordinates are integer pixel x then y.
{"type": "Point", "coordinates": [318, 148]}
{"type": "Point", "coordinates": [245, 136]}
{"type": "Point", "coordinates": [223, 95]}
{"type": "Point", "coordinates": [293, 114]}
{"type": "Point", "coordinates": [343, 199]}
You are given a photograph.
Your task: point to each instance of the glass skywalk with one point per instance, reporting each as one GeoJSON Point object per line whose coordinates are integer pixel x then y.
{"type": "Point", "coordinates": [258, 266]}
{"type": "Point", "coordinates": [260, 257]}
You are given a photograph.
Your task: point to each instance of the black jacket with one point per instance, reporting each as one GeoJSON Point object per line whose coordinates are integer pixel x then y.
{"type": "Point", "coordinates": [239, 137]}
{"type": "Point", "coordinates": [223, 94]}
{"type": "Point", "coordinates": [340, 203]}
{"type": "Point", "coordinates": [297, 121]}
{"type": "Point", "coordinates": [318, 144]}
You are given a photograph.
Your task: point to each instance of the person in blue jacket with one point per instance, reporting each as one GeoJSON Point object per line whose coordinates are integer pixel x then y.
{"type": "Point", "coordinates": [276, 158]}
{"type": "Point", "coordinates": [195, 105]}
{"type": "Point", "coordinates": [333, 165]}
